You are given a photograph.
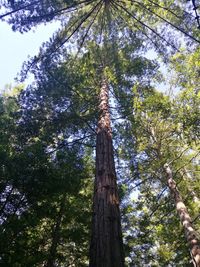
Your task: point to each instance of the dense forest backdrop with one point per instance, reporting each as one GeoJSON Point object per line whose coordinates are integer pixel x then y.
{"type": "Point", "coordinates": [100, 154]}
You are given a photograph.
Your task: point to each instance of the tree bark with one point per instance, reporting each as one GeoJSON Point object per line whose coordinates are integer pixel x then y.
{"type": "Point", "coordinates": [190, 233]}
{"type": "Point", "coordinates": [106, 247]}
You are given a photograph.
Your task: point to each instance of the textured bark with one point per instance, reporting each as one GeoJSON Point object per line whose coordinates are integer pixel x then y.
{"type": "Point", "coordinates": [106, 248]}
{"type": "Point", "coordinates": [190, 233]}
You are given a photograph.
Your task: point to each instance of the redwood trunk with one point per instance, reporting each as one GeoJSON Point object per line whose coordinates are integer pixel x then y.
{"type": "Point", "coordinates": [191, 235]}
{"type": "Point", "coordinates": [106, 248]}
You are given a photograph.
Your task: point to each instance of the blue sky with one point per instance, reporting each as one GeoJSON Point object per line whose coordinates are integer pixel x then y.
{"type": "Point", "coordinates": [15, 48]}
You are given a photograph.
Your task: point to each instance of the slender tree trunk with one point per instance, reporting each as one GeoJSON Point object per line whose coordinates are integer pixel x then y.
{"type": "Point", "coordinates": [106, 248]}
{"type": "Point", "coordinates": [191, 235]}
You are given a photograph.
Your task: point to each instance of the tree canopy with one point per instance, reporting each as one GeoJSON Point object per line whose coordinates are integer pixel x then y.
{"type": "Point", "coordinates": [56, 136]}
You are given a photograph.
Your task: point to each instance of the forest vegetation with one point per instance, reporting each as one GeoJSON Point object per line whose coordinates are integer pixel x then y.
{"type": "Point", "coordinates": [100, 155]}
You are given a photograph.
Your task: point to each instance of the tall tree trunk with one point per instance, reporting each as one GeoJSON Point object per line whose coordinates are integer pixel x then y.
{"type": "Point", "coordinates": [191, 235]}
{"type": "Point", "coordinates": [106, 248]}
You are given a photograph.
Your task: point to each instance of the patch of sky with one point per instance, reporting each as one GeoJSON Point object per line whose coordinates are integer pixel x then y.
{"type": "Point", "coordinates": [15, 48]}
{"type": "Point", "coordinates": [161, 86]}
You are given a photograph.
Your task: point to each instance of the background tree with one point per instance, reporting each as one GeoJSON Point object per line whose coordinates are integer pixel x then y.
{"type": "Point", "coordinates": [157, 139]}
{"type": "Point", "coordinates": [45, 196]}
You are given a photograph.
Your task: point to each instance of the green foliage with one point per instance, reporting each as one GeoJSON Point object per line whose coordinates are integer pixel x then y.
{"type": "Point", "coordinates": [45, 167]}
{"type": "Point", "coordinates": [155, 234]}
{"type": "Point", "coordinates": [34, 182]}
